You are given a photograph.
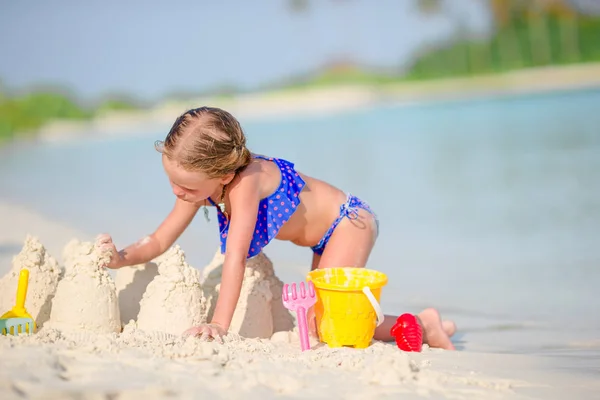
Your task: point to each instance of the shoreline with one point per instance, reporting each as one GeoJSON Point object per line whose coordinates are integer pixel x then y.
{"type": "Point", "coordinates": [316, 101]}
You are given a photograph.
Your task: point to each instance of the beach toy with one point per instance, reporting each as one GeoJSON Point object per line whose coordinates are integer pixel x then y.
{"type": "Point", "coordinates": [347, 308]}
{"type": "Point", "coordinates": [408, 333]}
{"type": "Point", "coordinates": [300, 302]}
{"type": "Point", "coordinates": [18, 319]}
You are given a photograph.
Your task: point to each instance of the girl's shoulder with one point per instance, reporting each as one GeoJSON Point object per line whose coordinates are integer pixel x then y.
{"type": "Point", "coordinates": [262, 170]}
{"type": "Point", "coordinates": [272, 175]}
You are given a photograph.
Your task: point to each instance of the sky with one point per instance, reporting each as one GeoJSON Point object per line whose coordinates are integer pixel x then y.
{"type": "Point", "coordinates": [151, 49]}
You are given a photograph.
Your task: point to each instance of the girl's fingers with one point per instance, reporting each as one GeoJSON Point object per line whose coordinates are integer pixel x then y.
{"type": "Point", "coordinates": [103, 239]}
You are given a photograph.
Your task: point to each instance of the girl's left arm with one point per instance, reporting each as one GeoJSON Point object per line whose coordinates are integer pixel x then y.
{"type": "Point", "coordinates": [244, 198]}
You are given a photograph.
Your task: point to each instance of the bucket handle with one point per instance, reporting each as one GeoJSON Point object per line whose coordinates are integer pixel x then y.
{"type": "Point", "coordinates": [380, 317]}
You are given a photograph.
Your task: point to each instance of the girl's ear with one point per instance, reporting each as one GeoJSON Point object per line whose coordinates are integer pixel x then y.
{"type": "Point", "coordinates": [227, 179]}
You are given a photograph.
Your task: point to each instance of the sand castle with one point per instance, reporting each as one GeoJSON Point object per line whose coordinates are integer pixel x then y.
{"type": "Point", "coordinates": [259, 312]}
{"type": "Point", "coordinates": [169, 296]}
{"type": "Point", "coordinates": [86, 297]}
{"type": "Point", "coordinates": [166, 295]}
{"type": "Point", "coordinates": [44, 273]}
{"type": "Point", "coordinates": [173, 301]}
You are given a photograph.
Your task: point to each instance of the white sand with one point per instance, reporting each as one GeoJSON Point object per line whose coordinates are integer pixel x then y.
{"type": "Point", "coordinates": [55, 365]}
{"type": "Point", "coordinates": [259, 312]}
{"type": "Point", "coordinates": [44, 272]}
{"type": "Point", "coordinates": [166, 296]}
{"type": "Point", "coordinates": [86, 297]}
{"type": "Point", "coordinates": [173, 301]}
{"type": "Point", "coordinates": [86, 363]}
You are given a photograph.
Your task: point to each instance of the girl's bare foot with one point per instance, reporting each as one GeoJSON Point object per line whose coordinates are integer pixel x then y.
{"type": "Point", "coordinates": [436, 333]}
{"type": "Point", "coordinates": [449, 327]}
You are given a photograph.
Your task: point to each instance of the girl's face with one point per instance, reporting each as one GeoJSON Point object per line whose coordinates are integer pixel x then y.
{"type": "Point", "coordinates": [193, 187]}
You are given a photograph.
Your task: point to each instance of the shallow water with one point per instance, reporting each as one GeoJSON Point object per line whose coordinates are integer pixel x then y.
{"type": "Point", "coordinates": [489, 209]}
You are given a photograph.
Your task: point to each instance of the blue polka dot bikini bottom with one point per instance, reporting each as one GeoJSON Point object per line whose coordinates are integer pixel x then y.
{"type": "Point", "coordinates": [347, 210]}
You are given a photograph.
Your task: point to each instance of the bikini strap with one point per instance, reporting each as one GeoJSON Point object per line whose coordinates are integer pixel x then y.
{"type": "Point", "coordinates": [261, 157]}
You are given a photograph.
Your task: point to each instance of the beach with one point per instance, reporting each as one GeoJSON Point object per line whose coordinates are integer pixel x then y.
{"type": "Point", "coordinates": [490, 214]}
{"type": "Point", "coordinates": [468, 129]}
{"type": "Point", "coordinates": [85, 364]}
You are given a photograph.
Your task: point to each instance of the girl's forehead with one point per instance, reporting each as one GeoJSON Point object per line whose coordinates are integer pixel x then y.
{"type": "Point", "coordinates": [177, 173]}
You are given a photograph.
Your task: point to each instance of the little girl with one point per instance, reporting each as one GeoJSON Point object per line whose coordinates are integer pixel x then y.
{"type": "Point", "coordinates": [258, 199]}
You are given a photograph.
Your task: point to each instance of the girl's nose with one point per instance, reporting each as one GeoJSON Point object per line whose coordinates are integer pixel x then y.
{"type": "Point", "coordinates": [177, 191]}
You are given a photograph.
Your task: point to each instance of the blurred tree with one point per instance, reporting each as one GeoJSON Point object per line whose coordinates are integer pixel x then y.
{"type": "Point", "coordinates": [474, 56]}
{"type": "Point", "coordinates": [569, 36]}
{"type": "Point", "coordinates": [539, 38]}
{"type": "Point", "coordinates": [507, 52]}
{"type": "Point", "coordinates": [298, 6]}
{"type": "Point", "coordinates": [429, 7]}
{"type": "Point", "coordinates": [546, 29]}
{"type": "Point", "coordinates": [29, 112]}
{"type": "Point", "coordinates": [37, 108]}
{"type": "Point", "coordinates": [117, 102]}
{"type": "Point", "coordinates": [116, 105]}
{"type": "Point", "coordinates": [529, 33]}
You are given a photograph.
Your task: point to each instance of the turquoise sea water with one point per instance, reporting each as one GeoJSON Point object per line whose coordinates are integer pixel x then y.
{"type": "Point", "coordinates": [489, 209]}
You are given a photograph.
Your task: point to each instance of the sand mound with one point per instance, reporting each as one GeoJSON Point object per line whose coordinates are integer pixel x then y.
{"type": "Point", "coordinates": [131, 283]}
{"type": "Point", "coordinates": [282, 318]}
{"type": "Point", "coordinates": [62, 365]}
{"type": "Point", "coordinates": [162, 296]}
{"type": "Point", "coordinates": [86, 298]}
{"type": "Point", "coordinates": [44, 273]}
{"type": "Point", "coordinates": [173, 301]}
{"type": "Point", "coordinates": [259, 311]}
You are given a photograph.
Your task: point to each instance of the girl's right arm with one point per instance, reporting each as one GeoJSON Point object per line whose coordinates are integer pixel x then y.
{"type": "Point", "coordinates": [150, 247]}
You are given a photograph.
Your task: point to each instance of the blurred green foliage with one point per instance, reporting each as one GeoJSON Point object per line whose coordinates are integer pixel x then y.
{"type": "Point", "coordinates": [26, 113]}
{"type": "Point", "coordinates": [522, 39]}
{"type": "Point", "coordinates": [526, 41]}
{"type": "Point", "coordinates": [116, 105]}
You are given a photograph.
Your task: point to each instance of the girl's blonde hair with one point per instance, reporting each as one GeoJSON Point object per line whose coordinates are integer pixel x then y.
{"type": "Point", "coordinates": [207, 139]}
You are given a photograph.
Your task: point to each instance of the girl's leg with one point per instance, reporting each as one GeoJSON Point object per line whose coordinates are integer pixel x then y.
{"type": "Point", "coordinates": [436, 333]}
{"type": "Point", "coordinates": [350, 246]}
{"type": "Point", "coordinates": [315, 261]}
{"type": "Point", "coordinates": [351, 242]}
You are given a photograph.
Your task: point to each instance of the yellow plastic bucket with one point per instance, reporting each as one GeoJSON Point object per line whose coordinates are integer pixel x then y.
{"type": "Point", "coordinates": [347, 308]}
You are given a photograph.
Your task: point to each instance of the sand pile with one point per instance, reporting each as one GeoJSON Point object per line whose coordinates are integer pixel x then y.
{"type": "Point", "coordinates": [173, 301]}
{"type": "Point", "coordinates": [259, 311]}
{"type": "Point", "coordinates": [165, 295]}
{"type": "Point", "coordinates": [44, 273]}
{"type": "Point", "coordinates": [135, 364]}
{"type": "Point", "coordinates": [86, 298]}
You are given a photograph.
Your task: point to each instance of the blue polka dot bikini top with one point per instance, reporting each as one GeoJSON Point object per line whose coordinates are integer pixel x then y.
{"type": "Point", "coordinates": [273, 211]}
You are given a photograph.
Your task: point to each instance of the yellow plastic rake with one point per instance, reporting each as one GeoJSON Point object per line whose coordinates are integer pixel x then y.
{"type": "Point", "coordinates": [18, 319]}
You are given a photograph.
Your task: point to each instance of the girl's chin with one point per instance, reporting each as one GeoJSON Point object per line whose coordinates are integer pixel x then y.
{"type": "Point", "coordinates": [195, 201]}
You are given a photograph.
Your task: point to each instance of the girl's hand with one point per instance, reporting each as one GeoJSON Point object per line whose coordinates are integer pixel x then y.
{"type": "Point", "coordinates": [105, 244]}
{"type": "Point", "coordinates": [207, 331]}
